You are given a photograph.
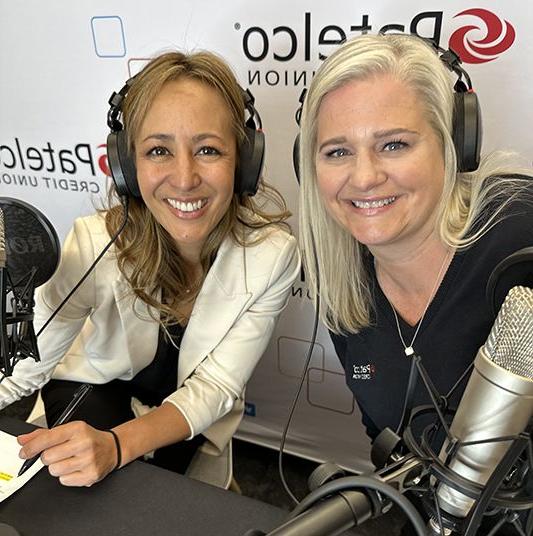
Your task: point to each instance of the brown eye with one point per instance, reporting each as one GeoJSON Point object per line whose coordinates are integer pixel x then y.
{"type": "Point", "coordinates": [208, 151]}
{"type": "Point", "coordinates": [158, 151]}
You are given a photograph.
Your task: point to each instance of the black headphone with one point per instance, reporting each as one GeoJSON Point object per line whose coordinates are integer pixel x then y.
{"type": "Point", "coordinates": [251, 151]}
{"type": "Point", "coordinates": [467, 132]}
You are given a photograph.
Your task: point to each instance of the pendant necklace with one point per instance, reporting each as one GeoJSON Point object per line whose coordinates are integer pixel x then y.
{"type": "Point", "coordinates": [408, 349]}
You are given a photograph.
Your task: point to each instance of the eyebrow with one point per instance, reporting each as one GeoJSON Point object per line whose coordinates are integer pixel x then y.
{"type": "Point", "coordinates": [377, 135]}
{"type": "Point", "coordinates": [206, 135]}
{"type": "Point", "coordinates": [392, 132]}
{"type": "Point", "coordinates": [159, 136]}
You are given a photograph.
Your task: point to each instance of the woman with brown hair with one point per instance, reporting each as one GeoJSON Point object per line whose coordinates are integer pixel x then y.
{"type": "Point", "coordinates": [172, 321]}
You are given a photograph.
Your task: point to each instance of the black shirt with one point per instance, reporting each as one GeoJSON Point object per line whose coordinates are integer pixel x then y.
{"type": "Point", "coordinates": [160, 378]}
{"type": "Point", "coordinates": [455, 326]}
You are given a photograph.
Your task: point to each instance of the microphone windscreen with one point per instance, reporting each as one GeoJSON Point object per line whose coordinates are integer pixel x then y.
{"type": "Point", "coordinates": [510, 341]}
{"type": "Point", "coordinates": [31, 242]}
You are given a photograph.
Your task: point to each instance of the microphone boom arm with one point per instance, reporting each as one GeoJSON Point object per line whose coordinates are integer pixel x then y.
{"type": "Point", "coordinates": [335, 507]}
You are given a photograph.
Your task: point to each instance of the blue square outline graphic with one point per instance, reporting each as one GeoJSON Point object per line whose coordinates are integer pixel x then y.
{"type": "Point", "coordinates": [121, 30]}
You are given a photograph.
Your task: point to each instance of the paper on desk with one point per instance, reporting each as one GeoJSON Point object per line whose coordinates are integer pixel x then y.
{"type": "Point", "coordinates": [10, 465]}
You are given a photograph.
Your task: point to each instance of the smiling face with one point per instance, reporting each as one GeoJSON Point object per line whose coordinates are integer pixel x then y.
{"type": "Point", "coordinates": [185, 153]}
{"type": "Point", "coordinates": [379, 164]}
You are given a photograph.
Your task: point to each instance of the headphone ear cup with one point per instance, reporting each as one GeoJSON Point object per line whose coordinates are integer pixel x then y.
{"type": "Point", "coordinates": [250, 166]}
{"type": "Point", "coordinates": [467, 130]}
{"type": "Point", "coordinates": [296, 157]}
{"type": "Point", "coordinates": [122, 165]}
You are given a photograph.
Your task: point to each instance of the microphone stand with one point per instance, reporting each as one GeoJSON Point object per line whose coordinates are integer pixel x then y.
{"type": "Point", "coordinates": [12, 350]}
{"type": "Point", "coordinates": [335, 507]}
{"type": "Point", "coordinates": [494, 483]}
{"type": "Point", "coordinates": [21, 341]}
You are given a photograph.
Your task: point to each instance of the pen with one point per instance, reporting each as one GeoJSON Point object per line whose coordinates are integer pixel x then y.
{"type": "Point", "coordinates": [79, 396]}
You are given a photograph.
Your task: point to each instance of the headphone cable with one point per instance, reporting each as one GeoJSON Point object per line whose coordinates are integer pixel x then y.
{"type": "Point", "coordinates": [304, 373]}
{"type": "Point", "coordinates": [125, 204]}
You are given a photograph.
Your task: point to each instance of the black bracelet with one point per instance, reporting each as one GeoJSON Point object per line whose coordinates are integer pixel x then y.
{"type": "Point", "coordinates": [119, 451]}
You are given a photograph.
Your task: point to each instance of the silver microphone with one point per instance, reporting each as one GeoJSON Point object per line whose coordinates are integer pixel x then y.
{"type": "Point", "coordinates": [498, 399]}
{"type": "Point", "coordinates": [3, 255]}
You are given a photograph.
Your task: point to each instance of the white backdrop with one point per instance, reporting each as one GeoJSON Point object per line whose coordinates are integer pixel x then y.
{"type": "Point", "coordinates": [61, 60]}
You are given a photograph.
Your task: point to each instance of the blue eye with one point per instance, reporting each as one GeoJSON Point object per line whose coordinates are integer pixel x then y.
{"type": "Point", "coordinates": [394, 145]}
{"type": "Point", "coordinates": [337, 153]}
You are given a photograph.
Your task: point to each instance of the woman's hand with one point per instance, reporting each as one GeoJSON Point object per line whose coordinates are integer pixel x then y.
{"type": "Point", "coordinates": [75, 452]}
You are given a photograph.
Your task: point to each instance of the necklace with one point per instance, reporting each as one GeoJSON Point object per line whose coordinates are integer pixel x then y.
{"type": "Point", "coordinates": [409, 349]}
{"type": "Point", "coordinates": [170, 337]}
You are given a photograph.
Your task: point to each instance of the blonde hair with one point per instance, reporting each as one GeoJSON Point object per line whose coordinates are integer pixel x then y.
{"type": "Point", "coordinates": [147, 255]}
{"type": "Point", "coordinates": [339, 268]}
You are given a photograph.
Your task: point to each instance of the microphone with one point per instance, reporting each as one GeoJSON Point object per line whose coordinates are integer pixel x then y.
{"type": "Point", "coordinates": [29, 255]}
{"type": "Point", "coordinates": [497, 404]}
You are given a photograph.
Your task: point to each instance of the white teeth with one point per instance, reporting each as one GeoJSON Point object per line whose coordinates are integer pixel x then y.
{"type": "Point", "coordinates": [373, 204]}
{"type": "Point", "coordinates": [187, 206]}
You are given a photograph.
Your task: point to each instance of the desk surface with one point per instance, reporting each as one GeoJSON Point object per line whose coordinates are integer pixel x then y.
{"type": "Point", "coordinates": [140, 499]}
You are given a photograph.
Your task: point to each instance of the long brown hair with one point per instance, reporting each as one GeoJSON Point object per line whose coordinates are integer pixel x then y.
{"type": "Point", "coordinates": [147, 255]}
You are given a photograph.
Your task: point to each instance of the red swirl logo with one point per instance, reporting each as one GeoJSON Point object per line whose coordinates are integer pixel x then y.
{"type": "Point", "coordinates": [102, 161]}
{"type": "Point", "coordinates": [499, 36]}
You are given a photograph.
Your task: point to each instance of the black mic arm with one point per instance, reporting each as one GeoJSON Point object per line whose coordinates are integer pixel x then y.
{"type": "Point", "coordinates": [338, 505]}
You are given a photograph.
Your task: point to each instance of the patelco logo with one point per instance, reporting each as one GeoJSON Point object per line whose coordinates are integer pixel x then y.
{"type": "Point", "coordinates": [499, 36]}
{"type": "Point", "coordinates": [287, 55]}
{"type": "Point", "coordinates": [44, 165]}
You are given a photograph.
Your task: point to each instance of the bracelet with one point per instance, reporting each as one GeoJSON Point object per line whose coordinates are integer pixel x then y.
{"type": "Point", "coordinates": [119, 451]}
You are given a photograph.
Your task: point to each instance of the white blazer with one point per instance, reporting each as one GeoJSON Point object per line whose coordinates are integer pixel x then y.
{"type": "Point", "coordinates": [104, 334]}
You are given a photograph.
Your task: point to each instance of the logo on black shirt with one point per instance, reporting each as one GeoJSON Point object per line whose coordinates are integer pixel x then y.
{"type": "Point", "coordinates": [364, 372]}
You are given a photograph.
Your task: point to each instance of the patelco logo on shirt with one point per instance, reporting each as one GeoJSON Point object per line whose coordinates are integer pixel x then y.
{"type": "Point", "coordinates": [364, 372]}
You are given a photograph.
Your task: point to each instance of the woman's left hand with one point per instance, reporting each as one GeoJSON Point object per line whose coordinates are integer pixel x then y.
{"type": "Point", "coordinates": [77, 453]}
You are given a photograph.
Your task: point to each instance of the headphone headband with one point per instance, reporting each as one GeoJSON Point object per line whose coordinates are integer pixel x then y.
{"type": "Point", "coordinates": [467, 127]}
{"type": "Point", "coordinates": [115, 103]}
{"type": "Point", "coordinates": [122, 164]}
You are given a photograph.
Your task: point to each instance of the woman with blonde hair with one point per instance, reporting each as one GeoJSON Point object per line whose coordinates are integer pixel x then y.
{"type": "Point", "coordinates": [170, 324]}
{"type": "Point", "coordinates": [400, 228]}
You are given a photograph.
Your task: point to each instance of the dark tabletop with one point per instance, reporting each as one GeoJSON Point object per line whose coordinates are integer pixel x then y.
{"type": "Point", "coordinates": [139, 499]}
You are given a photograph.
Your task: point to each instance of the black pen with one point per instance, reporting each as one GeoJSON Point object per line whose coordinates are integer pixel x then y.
{"type": "Point", "coordinates": [79, 396]}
